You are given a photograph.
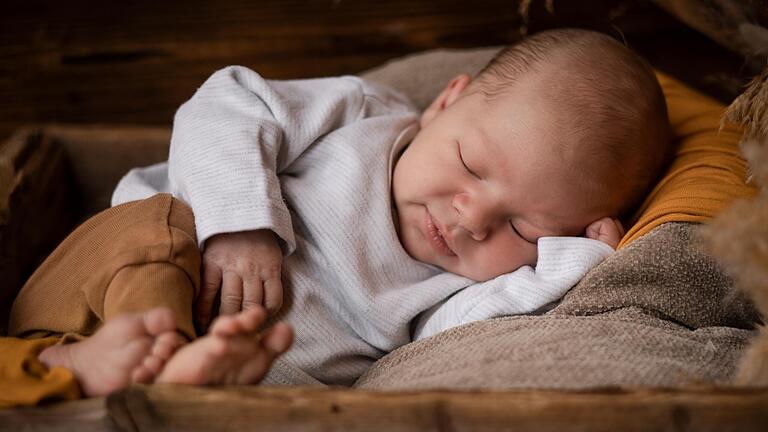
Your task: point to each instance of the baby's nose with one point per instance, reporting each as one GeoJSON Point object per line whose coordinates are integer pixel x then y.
{"type": "Point", "coordinates": [478, 234]}
{"type": "Point", "coordinates": [474, 215]}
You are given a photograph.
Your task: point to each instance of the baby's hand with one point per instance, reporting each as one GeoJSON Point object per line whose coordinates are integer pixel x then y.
{"type": "Point", "coordinates": [246, 266]}
{"type": "Point", "coordinates": [607, 230]}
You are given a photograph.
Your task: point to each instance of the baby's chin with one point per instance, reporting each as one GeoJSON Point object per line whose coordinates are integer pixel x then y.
{"type": "Point", "coordinates": [477, 275]}
{"type": "Point", "coordinates": [481, 273]}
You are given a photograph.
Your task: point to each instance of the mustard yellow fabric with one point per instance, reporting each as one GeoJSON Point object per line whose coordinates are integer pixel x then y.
{"type": "Point", "coordinates": [24, 380]}
{"type": "Point", "coordinates": [707, 172]}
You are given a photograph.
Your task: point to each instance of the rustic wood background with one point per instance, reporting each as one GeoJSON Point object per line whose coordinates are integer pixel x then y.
{"type": "Point", "coordinates": [135, 62]}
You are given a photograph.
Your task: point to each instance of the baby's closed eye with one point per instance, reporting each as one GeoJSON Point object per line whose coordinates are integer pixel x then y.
{"type": "Point", "coordinates": [517, 232]}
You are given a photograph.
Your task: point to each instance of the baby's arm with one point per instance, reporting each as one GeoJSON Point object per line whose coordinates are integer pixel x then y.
{"type": "Point", "coordinates": [607, 230]}
{"type": "Point", "coordinates": [229, 143]}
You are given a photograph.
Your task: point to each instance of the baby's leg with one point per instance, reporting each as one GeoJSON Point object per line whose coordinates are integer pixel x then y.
{"type": "Point", "coordinates": [131, 348]}
{"type": "Point", "coordinates": [233, 352]}
{"type": "Point", "coordinates": [129, 258]}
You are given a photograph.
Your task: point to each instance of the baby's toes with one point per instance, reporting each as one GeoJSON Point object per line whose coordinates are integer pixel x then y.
{"type": "Point", "coordinates": [148, 369]}
{"type": "Point", "coordinates": [225, 325]}
{"type": "Point", "coordinates": [255, 368]}
{"type": "Point", "coordinates": [277, 339]}
{"type": "Point", "coordinates": [247, 321]}
{"type": "Point", "coordinates": [153, 364]}
{"type": "Point", "coordinates": [250, 320]}
{"type": "Point", "coordinates": [142, 375]}
{"type": "Point", "coordinates": [166, 344]}
{"type": "Point", "coordinates": [274, 342]}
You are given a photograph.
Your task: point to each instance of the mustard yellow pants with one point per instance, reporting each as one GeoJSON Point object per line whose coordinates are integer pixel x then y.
{"type": "Point", "coordinates": [128, 258]}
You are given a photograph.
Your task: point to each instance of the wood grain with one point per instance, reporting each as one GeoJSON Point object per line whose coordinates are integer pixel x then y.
{"type": "Point", "coordinates": [274, 409]}
{"type": "Point", "coordinates": [82, 416]}
{"type": "Point", "coordinates": [88, 61]}
{"type": "Point", "coordinates": [52, 178]}
{"type": "Point", "coordinates": [136, 62]}
{"type": "Point", "coordinates": [172, 408]}
{"type": "Point", "coordinates": [38, 207]}
{"type": "Point", "coordinates": [100, 155]}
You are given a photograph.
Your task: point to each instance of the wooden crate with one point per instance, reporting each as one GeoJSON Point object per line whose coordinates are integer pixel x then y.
{"type": "Point", "coordinates": [55, 176]}
{"type": "Point", "coordinates": [84, 62]}
{"type": "Point", "coordinates": [177, 408]}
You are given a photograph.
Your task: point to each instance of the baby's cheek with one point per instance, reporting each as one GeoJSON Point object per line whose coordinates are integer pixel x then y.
{"type": "Point", "coordinates": [497, 259]}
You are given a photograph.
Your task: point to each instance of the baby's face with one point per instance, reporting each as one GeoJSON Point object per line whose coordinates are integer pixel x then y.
{"type": "Point", "coordinates": [480, 183]}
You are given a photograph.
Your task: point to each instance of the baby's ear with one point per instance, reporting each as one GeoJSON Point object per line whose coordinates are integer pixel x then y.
{"type": "Point", "coordinates": [446, 97]}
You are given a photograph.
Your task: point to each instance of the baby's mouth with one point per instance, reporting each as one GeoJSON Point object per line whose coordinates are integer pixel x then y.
{"type": "Point", "coordinates": [436, 237]}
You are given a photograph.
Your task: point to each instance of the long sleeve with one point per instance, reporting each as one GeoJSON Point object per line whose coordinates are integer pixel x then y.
{"type": "Point", "coordinates": [238, 132]}
{"type": "Point", "coordinates": [562, 262]}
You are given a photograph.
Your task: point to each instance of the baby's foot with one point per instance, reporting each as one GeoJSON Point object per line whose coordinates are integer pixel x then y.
{"type": "Point", "coordinates": [129, 348]}
{"type": "Point", "coordinates": [606, 230]}
{"type": "Point", "coordinates": [233, 352]}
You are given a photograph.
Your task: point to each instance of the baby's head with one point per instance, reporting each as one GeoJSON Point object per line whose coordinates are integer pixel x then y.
{"type": "Point", "coordinates": [557, 132]}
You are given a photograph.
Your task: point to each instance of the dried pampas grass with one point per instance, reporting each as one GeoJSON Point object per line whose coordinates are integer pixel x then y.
{"type": "Point", "coordinates": [738, 237]}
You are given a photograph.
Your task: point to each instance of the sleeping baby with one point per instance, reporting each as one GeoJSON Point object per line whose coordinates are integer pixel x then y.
{"type": "Point", "coordinates": [362, 224]}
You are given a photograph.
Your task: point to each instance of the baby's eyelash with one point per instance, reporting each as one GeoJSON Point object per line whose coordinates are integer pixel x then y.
{"type": "Point", "coordinates": [461, 158]}
{"type": "Point", "coordinates": [520, 235]}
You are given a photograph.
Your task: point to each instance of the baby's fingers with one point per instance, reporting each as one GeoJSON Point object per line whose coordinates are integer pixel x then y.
{"type": "Point", "coordinates": [253, 292]}
{"type": "Point", "coordinates": [605, 230]}
{"type": "Point", "coordinates": [209, 290]}
{"type": "Point", "coordinates": [231, 293]}
{"type": "Point", "coordinates": [273, 294]}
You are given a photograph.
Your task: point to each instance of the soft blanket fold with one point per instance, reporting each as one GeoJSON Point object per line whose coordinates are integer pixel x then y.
{"type": "Point", "coordinates": [562, 262]}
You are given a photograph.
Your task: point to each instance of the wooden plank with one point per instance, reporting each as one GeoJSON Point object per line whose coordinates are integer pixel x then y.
{"type": "Point", "coordinates": [100, 155]}
{"type": "Point", "coordinates": [85, 61]}
{"type": "Point", "coordinates": [136, 62]}
{"type": "Point", "coordinates": [53, 177]}
{"type": "Point", "coordinates": [173, 408]}
{"type": "Point", "coordinates": [83, 416]}
{"type": "Point", "coordinates": [281, 409]}
{"type": "Point", "coordinates": [38, 207]}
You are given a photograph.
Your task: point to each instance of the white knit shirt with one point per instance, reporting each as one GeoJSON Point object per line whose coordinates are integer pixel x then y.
{"type": "Point", "coordinates": [312, 160]}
